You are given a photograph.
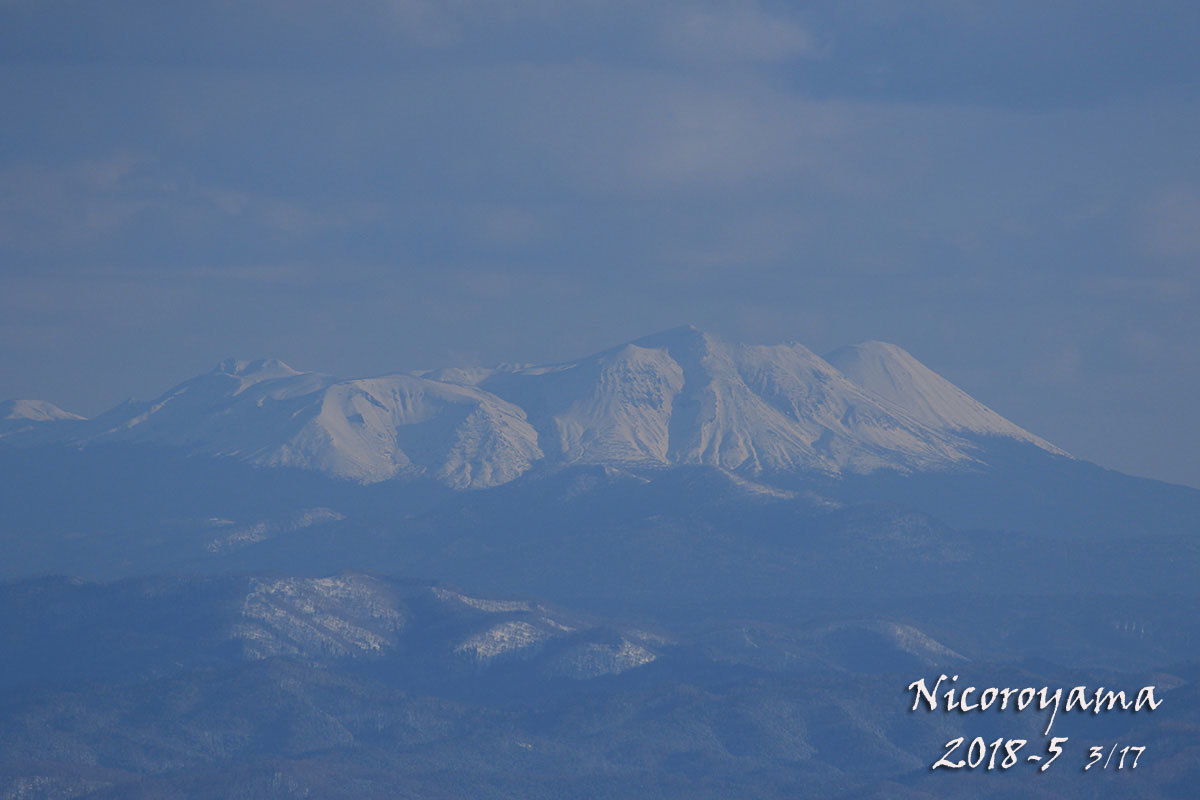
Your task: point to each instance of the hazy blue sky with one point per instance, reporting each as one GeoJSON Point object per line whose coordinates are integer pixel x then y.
{"type": "Point", "coordinates": [1009, 190]}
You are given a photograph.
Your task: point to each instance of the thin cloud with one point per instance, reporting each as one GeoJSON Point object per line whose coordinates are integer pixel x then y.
{"type": "Point", "coordinates": [740, 33]}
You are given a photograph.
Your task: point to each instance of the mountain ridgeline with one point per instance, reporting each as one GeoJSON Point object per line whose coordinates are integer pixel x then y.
{"type": "Point", "coordinates": [679, 398]}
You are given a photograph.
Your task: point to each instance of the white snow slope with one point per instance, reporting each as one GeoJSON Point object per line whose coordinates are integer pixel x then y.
{"type": "Point", "coordinates": [893, 374]}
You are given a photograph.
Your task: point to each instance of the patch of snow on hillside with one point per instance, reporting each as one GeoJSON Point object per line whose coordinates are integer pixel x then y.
{"type": "Point", "coordinates": [503, 638]}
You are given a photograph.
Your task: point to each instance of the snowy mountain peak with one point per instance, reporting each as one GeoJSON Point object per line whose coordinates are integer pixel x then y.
{"type": "Point", "coordinates": [34, 411]}
{"type": "Point", "coordinates": [681, 341]}
{"type": "Point", "coordinates": [892, 373]}
{"type": "Point", "coordinates": [33, 418]}
{"type": "Point", "coordinates": [261, 369]}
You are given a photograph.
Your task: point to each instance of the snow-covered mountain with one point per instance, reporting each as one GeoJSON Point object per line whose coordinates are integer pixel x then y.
{"type": "Point", "coordinates": [368, 430]}
{"type": "Point", "coordinates": [682, 397]}
{"type": "Point", "coordinates": [20, 416]}
{"type": "Point", "coordinates": [33, 411]}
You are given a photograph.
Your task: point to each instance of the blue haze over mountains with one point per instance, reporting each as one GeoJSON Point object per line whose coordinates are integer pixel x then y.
{"type": "Point", "coordinates": [680, 567]}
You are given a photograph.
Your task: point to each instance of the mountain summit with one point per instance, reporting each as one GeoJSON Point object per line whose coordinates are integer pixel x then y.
{"type": "Point", "coordinates": [681, 397]}
{"type": "Point", "coordinates": [26, 416]}
{"type": "Point", "coordinates": [892, 373]}
{"type": "Point", "coordinates": [34, 411]}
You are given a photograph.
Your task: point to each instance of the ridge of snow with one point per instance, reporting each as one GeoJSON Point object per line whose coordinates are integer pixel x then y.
{"type": "Point", "coordinates": [680, 397]}
{"type": "Point", "coordinates": [366, 430]}
{"type": "Point", "coordinates": [890, 372]}
{"type": "Point", "coordinates": [614, 407]}
{"type": "Point", "coordinates": [34, 411]}
{"type": "Point", "coordinates": [379, 428]}
{"type": "Point", "coordinates": [685, 397]}
{"type": "Point", "coordinates": [36, 420]}
{"type": "Point", "coordinates": [261, 369]}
